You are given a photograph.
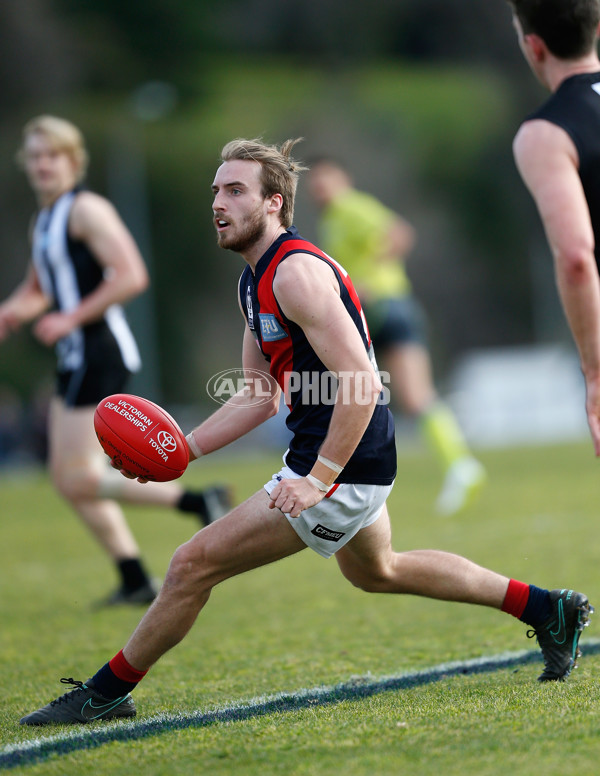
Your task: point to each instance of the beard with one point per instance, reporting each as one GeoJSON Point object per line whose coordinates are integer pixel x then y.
{"type": "Point", "coordinates": [250, 232]}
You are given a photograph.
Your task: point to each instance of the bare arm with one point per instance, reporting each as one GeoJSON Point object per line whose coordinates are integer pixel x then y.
{"type": "Point", "coordinates": [254, 403]}
{"type": "Point", "coordinates": [25, 303]}
{"type": "Point", "coordinates": [308, 292]}
{"type": "Point", "coordinates": [548, 163]}
{"type": "Point", "coordinates": [95, 221]}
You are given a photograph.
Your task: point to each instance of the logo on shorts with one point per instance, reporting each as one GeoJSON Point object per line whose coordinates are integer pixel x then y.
{"type": "Point", "coordinates": [326, 533]}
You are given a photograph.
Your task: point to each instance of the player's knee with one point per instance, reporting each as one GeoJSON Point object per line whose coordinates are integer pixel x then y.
{"type": "Point", "coordinates": [371, 584]}
{"type": "Point", "coordinates": [368, 580]}
{"type": "Point", "coordinates": [76, 484]}
{"type": "Point", "coordinates": [375, 578]}
{"type": "Point", "coordinates": [188, 569]}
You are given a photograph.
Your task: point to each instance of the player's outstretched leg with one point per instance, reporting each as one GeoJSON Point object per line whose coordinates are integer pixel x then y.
{"type": "Point", "coordinates": [558, 637]}
{"type": "Point", "coordinates": [250, 536]}
{"type": "Point", "coordinates": [556, 617]}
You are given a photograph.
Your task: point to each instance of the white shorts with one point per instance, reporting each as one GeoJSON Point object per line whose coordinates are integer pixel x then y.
{"type": "Point", "coordinates": [331, 523]}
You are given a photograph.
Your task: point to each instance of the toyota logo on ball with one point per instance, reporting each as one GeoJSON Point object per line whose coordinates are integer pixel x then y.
{"type": "Point", "coordinates": [166, 441]}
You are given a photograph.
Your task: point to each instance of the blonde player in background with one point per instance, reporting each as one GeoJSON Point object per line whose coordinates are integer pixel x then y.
{"type": "Point", "coordinates": [85, 265]}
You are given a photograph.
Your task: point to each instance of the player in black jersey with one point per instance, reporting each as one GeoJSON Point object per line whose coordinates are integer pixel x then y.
{"type": "Point", "coordinates": [304, 323]}
{"type": "Point", "coordinates": [85, 263]}
{"type": "Point", "coordinates": [557, 151]}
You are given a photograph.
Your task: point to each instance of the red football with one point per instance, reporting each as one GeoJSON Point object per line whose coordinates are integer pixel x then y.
{"type": "Point", "coordinates": [140, 437]}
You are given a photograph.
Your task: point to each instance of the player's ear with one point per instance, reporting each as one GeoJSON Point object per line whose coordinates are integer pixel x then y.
{"type": "Point", "coordinates": [536, 46]}
{"type": "Point", "coordinates": [274, 203]}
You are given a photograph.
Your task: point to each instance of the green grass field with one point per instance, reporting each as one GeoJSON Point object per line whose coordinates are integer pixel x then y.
{"type": "Point", "coordinates": [298, 624]}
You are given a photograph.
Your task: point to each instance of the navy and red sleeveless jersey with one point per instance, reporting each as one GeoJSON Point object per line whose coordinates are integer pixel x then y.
{"type": "Point", "coordinates": [309, 388]}
{"type": "Point", "coordinates": [575, 107]}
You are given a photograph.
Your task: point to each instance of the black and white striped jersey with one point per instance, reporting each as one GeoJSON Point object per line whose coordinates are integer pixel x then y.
{"type": "Point", "coordinates": [67, 272]}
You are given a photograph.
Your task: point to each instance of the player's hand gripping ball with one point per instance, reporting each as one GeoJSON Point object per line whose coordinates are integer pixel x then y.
{"type": "Point", "coordinates": [141, 438]}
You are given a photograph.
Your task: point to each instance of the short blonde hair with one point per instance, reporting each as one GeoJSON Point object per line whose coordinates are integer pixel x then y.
{"type": "Point", "coordinates": [279, 172]}
{"type": "Point", "coordinates": [63, 136]}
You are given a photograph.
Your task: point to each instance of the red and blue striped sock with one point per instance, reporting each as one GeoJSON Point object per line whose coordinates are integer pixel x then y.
{"type": "Point", "coordinates": [528, 603]}
{"type": "Point", "coordinates": [117, 677]}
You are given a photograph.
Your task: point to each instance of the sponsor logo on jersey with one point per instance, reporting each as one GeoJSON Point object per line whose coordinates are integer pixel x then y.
{"type": "Point", "coordinates": [270, 328]}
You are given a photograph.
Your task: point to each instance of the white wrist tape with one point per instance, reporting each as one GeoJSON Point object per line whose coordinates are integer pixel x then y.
{"type": "Point", "coordinates": [335, 467]}
{"type": "Point", "coordinates": [193, 445]}
{"type": "Point", "coordinates": [318, 484]}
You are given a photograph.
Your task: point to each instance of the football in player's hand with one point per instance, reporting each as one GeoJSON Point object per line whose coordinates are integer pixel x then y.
{"type": "Point", "coordinates": [141, 438]}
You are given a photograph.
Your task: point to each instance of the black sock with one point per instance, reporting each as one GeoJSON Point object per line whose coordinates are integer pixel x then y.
{"type": "Point", "coordinates": [109, 685]}
{"type": "Point", "coordinates": [192, 502]}
{"type": "Point", "coordinates": [133, 573]}
{"type": "Point", "coordinates": [538, 608]}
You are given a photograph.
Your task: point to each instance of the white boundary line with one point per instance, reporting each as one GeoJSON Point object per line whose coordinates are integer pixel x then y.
{"type": "Point", "coordinates": [40, 749]}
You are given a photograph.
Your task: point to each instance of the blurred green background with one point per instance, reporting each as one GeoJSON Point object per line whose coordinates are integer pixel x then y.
{"type": "Point", "coordinates": [420, 97]}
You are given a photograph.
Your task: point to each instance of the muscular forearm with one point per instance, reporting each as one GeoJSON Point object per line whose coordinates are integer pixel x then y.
{"type": "Point", "coordinates": [242, 413]}
{"type": "Point", "coordinates": [352, 413]}
{"type": "Point", "coordinates": [347, 426]}
{"type": "Point", "coordinates": [579, 289]}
